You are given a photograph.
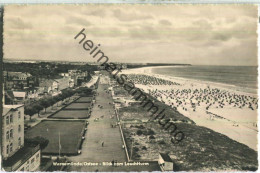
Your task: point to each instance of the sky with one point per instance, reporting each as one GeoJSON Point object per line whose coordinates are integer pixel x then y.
{"type": "Point", "coordinates": [144, 33]}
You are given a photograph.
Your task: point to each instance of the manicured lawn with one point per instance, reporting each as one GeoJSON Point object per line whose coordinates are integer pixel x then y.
{"type": "Point", "coordinates": [70, 114]}
{"type": "Point", "coordinates": [84, 99]}
{"type": "Point", "coordinates": [78, 106]}
{"type": "Point", "coordinates": [70, 135]}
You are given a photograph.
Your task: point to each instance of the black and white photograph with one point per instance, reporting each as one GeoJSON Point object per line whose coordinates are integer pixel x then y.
{"type": "Point", "coordinates": [129, 88]}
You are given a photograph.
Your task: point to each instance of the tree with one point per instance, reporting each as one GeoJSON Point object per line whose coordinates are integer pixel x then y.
{"type": "Point", "coordinates": [44, 102]}
{"type": "Point", "coordinates": [38, 108]}
{"type": "Point", "coordinates": [57, 99]}
{"type": "Point", "coordinates": [38, 140]}
{"type": "Point", "coordinates": [28, 110]}
{"type": "Point", "coordinates": [70, 93]}
{"type": "Point", "coordinates": [51, 101]}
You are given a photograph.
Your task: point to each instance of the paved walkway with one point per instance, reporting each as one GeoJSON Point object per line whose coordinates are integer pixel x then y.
{"type": "Point", "coordinates": [101, 131]}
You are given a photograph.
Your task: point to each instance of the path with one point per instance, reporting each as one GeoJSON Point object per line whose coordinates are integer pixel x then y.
{"type": "Point", "coordinates": [101, 131]}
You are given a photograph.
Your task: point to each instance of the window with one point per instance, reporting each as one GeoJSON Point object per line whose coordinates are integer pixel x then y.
{"type": "Point", "coordinates": [19, 141]}
{"type": "Point", "coordinates": [7, 135]}
{"type": "Point", "coordinates": [32, 160]}
{"type": "Point", "coordinates": [11, 133]}
{"type": "Point", "coordinates": [7, 120]}
{"type": "Point", "coordinates": [11, 118]}
{"type": "Point", "coordinates": [11, 147]}
{"type": "Point", "coordinates": [7, 149]}
{"type": "Point", "coordinates": [19, 114]}
{"type": "Point", "coordinates": [19, 128]}
{"type": "Point", "coordinates": [22, 169]}
{"type": "Point", "coordinates": [38, 155]}
{"type": "Point", "coordinates": [27, 168]}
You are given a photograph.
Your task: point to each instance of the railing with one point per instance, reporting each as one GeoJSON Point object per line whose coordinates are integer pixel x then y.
{"type": "Point", "coordinates": [122, 135]}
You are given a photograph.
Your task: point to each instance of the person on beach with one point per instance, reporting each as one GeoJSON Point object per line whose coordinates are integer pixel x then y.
{"type": "Point", "coordinates": [113, 162]}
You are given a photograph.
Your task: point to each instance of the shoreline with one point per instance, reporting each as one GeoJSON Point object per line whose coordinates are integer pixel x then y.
{"type": "Point", "coordinates": [228, 87]}
{"type": "Point", "coordinates": [238, 123]}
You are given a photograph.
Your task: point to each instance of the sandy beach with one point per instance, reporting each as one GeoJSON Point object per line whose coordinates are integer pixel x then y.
{"type": "Point", "coordinates": [223, 108]}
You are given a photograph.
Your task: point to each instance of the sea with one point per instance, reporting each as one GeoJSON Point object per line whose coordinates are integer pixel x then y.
{"type": "Point", "coordinates": [239, 76]}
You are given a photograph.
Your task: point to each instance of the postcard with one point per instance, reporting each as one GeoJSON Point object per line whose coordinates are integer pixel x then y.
{"type": "Point", "coordinates": [129, 87]}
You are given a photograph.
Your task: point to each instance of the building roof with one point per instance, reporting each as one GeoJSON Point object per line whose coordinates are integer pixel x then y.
{"type": "Point", "coordinates": [166, 157]}
{"type": "Point", "coordinates": [63, 83]}
{"type": "Point", "coordinates": [46, 83]}
{"type": "Point", "coordinates": [21, 156]}
{"type": "Point", "coordinates": [7, 108]}
{"type": "Point", "coordinates": [19, 94]}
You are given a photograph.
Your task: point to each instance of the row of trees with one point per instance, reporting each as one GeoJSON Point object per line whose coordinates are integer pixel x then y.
{"type": "Point", "coordinates": [46, 102]}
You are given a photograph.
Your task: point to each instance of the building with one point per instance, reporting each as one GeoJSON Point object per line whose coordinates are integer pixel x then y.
{"type": "Point", "coordinates": [71, 83]}
{"type": "Point", "coordinates": [16, 75]}
{"type": "Point", "coordinates": [14, 97]}
{"type": "Point", "coordinates": [73, 72]}
{"type": "Point", "coordinates": [54, 86]}
{"type": "Point", "coordinates": [121, 66]}
{"type": "Point", "coordinates": [64, 74]}
{"type": "Point", "coordinates": [16, 155]}
{"type": "Point", "coordinates": [32, 82]}
{"type": "Point", "coordinates": [19, 96]}
{"type": "Point", "coordinates": [48, 86]}
{"type": "Point", "coordinates": [32, 93]}
{"type": "Point", "coordinates": [17, 80]}
{"type": "Point", "coordinates": [165, 162]}
{"type": "Point", "coordinates": [63, 83]}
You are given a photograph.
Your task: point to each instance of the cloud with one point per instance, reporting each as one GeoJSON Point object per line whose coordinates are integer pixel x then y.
{"type": "Point", "coordinates": [133, 16]}
{"type": "Point", "coordinates": [195, 34]}
{"type": "Point", "coordinates": [221, 36]}
{"type": "Point", "coordinates": [202, 24]}
{"type": "Point", "coordinates": [17, 23]}
{"type": "Point", "coordinates": [78, 20]}
{"type": "Point", "coordinates": [165, 22]}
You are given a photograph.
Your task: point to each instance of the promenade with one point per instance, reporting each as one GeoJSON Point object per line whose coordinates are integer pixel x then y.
{"type": "Point", "coordinates": [100, 131]}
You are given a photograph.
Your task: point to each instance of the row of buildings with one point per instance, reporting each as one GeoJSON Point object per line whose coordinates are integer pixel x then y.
{"type": "Point", "coordinates": [20, 86]}
{"type": "Point", "coordinates": [18, 155]}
